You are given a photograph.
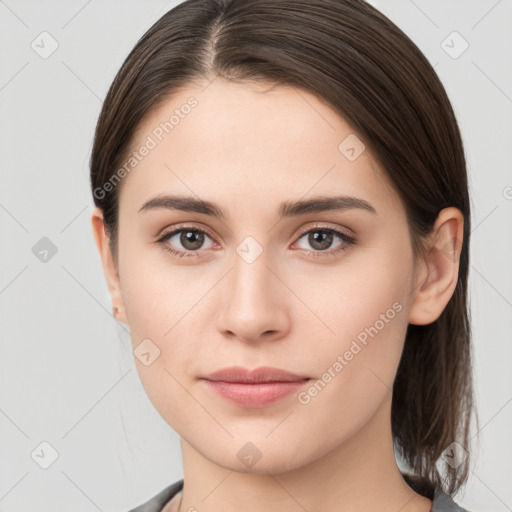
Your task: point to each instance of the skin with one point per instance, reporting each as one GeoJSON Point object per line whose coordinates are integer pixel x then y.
{"type": "Point", "coordinates": [248, 149]}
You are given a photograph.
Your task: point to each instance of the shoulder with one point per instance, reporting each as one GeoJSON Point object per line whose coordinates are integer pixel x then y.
{"type": "Point", "coordinates": [157, 502]}
{"type": "Point", "coordinates": [443, 502]}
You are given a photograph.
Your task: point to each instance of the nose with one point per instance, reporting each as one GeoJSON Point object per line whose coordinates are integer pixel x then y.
{"type": "Point", "coordinates": [253, 301]}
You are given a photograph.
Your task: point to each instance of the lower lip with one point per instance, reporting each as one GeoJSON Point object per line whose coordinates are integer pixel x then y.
{"type": "Point", "coordinates": [254, 395]}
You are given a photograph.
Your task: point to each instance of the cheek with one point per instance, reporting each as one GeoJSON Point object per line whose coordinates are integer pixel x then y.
{"type": "Point", "coordinates": [358, 312]}
{"type": "Point", "coordinates": [162, 307]}
{"type": "Point", "coordinates": [158, 294]}
{"type": "Point", "coordinates": [166, 305]}
{"type": "Point", "coordinates": [364, 282]}
{"type": "Point", "coordinates": [360, 350]}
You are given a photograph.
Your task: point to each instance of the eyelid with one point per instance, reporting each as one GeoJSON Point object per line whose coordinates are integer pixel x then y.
{"type": "Point", "coordinates": [164, 233]}
{"type": "Point", "coordinates": [347, 232]}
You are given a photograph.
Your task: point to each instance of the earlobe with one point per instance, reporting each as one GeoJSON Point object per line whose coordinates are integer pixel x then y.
{"type": "Point", "coordinates": [109, 267]}
{"type": "Point", "coordinates": [437, 279]}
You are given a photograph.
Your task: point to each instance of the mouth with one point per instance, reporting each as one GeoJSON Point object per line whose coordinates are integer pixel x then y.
{"type": "Point", "coordinates": [254, 389]}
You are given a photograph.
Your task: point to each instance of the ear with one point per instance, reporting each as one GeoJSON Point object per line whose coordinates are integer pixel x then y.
{"type": "Point", "coordinates": [109, 266]}
{"type": "Point", "coordinates": [437, 275]}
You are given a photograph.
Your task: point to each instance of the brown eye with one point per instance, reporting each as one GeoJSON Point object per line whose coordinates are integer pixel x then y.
{"type": "Point", "coordinates": [321, 240]}
{"type": "Point", "coordinates": [191, 240]}
{"type": "Point", "coordinates": [185, 241]}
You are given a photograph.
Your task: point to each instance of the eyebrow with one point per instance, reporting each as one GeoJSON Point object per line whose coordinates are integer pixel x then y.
{"type": "Point", "coordinates": [286, 209]}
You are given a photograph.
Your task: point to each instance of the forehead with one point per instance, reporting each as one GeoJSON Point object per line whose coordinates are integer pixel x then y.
{"type": "Point", "coordinates": [250, 144]}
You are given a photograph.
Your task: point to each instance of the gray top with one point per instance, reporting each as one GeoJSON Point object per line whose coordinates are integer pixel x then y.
{"type": "Point", "coordinates": [441, 502]}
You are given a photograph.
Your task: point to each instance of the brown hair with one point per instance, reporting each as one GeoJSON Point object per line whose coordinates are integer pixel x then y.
{"type": "Point", "coordinates": [368, 70]}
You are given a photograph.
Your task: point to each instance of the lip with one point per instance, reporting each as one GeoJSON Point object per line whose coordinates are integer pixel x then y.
{"type": "Point", "coordinates": [254, 388]}
{"type": "Point", "coordinates": [258, 375]}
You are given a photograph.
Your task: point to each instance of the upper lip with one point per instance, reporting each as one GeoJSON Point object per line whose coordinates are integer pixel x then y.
{"type": "Point", "coordinates": [260, 374]}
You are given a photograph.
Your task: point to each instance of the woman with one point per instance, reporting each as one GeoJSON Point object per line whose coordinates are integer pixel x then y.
{"type": "Point", "coordinates": [283, 217]}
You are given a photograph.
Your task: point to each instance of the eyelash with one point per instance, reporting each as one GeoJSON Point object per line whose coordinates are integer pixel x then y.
{"type": "Point", "coordinates": [347, 241]}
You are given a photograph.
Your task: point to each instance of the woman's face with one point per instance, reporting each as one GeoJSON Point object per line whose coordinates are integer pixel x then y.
{"type": "Point", "coordinates": [254, 287]}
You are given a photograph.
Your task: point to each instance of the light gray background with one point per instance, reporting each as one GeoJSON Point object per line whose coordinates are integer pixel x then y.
{"type": "Point", "coordinates": [67, 376]}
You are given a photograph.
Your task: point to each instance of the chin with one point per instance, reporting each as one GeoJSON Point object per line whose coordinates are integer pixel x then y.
{"type": "Point", "coordinates": [256, 457]}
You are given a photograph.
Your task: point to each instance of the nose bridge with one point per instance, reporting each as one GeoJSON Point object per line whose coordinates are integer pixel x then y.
{"type": "Point", "coordinates": [252, 303]}
{"type": "Point", "coordinates": [251, 276]}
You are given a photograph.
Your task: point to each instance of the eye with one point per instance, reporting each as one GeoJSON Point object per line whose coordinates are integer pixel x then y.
{"type": "Point", "coordinates": [321, 239]}
{"type": "Point", "coordinates": [190, 239]}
